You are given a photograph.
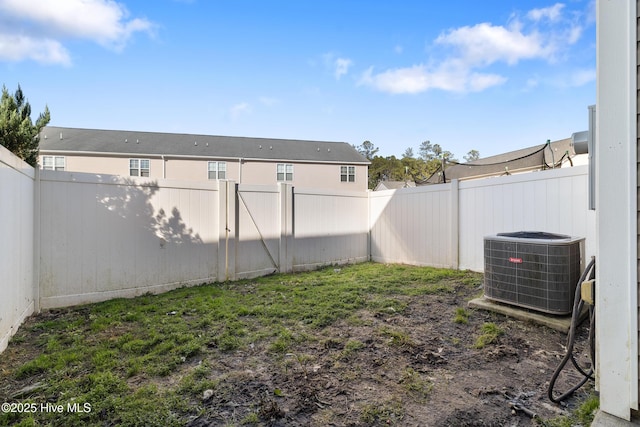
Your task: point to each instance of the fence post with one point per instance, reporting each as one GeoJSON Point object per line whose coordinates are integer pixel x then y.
{"type": "Point", "coordinates": [286, 228]}
{"type": "Point", "coordinates": [36, 240]}
{"type": "Point", "coordinates": [455, 224]}
{"type": "Point", "coordinates": [226, 230]}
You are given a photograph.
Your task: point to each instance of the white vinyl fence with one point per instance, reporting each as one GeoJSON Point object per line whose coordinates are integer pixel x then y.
{"type": "Point", "coordinates": [103, 237]}
{"type": "Point", "coordinates": [414, 226]}
{"type": "Point", "coordinates": [72, 238]}
{"type": "Point", "coordinates": [17, 210]}
{"type": "Point", "coordinates": [329, 228]}
{"type": "Point", "coordinates": [555, 201]}
{"type": "Point", "coordinates": [444, 225]}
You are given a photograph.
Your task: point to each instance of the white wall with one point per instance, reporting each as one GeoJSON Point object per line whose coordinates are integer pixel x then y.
{"type": "Point", "coordinates": [106, 236]}
{"type": "Point", "coordinates": [17, 210]}
{"type": "Point", "coordinates": [616, 207]}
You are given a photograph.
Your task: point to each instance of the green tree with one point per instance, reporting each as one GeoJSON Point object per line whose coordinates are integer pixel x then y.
{"type": "Point", "coordinates": [426, 151]}
{"type": "Point", "coordinates": [367, 149]}
{"type": "Point", "coordinates": [408, 153]}
{"type": "Point", "coordinates": [471, 156]}
{"type": "Point", "coordinates": [385, 169]}
{"type": "Point", "coordinates": [17, 132]}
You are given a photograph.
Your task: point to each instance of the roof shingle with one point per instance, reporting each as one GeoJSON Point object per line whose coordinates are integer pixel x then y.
{"type": "Point", "coordinates": [62, 139]}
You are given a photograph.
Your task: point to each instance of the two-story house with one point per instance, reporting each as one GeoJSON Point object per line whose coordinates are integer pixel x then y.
{"type": "Point", "coordinates": [309, 164]}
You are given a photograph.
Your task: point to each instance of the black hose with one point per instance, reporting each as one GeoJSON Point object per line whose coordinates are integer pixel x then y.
{"type": "Point", "coordinates": [578, 305]}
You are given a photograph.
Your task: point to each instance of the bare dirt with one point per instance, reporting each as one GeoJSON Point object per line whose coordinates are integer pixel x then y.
{"type": "Point", "coordinates": [416, 367]}
{"type": "Point", "coordinates": [430, 376]}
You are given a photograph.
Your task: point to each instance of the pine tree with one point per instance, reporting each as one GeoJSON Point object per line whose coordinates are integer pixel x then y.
{"type": "Point", "coordinates": [17, 132]}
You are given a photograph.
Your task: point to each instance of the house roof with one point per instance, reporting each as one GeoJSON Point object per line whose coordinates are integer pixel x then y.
{"type": "Point", "coordinates": [73, 140]}
{"type": "Point", "coordinates": [393, 185]}
{"type": "Point", "coordinates": [544, 156]}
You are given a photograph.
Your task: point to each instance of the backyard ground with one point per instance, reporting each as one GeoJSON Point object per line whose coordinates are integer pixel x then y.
{"type": "Point", "coordinates": [362, 345]}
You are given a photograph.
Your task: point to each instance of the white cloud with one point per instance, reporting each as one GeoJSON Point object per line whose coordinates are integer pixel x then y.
{"type": "Point", "coordinates": [337, 65]}
{"type": "Point", "coordinates": [239, 109]}
{"type": "Point", "coordinates": [546, 34]}
{"type": "Point", "coordinates": [341, 67]}
{"type": "Point", "coordinates": [16, 48]}
{"type": "Point", "coordinates": [48, 23]}
{"type": "Point", "coordinates": [552, 13]}
{"type": "Point", "coordinates": [485, 44]}
{"type": "Point", "coordinates": [418, 78]}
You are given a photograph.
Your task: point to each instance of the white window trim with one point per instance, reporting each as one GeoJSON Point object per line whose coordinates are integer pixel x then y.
{"type": "Point", "coordinates": [350, 172]}
{"type": "Point", "coordinates": [220, 173]}
{"type": "Point", "coordinates": [54, 166]}
{"type": "Point", "coordinates": [287, 169]}
{"type": "Point", "coordinates": [139, 168]}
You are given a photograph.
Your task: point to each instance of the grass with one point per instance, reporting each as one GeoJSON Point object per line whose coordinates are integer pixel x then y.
{"type": "Point", "coordinates": [490, 333]}
{"type": "Point", "coordinates": [462, 316]}
{"type": "Point", "coordinates": [148, 358]}
{"type": "Point", "coordinates": [415, 384]}
{"type": "Point", "coordinates": [582, 416]}
{"type": "Point", "coordinates": [385, 413]}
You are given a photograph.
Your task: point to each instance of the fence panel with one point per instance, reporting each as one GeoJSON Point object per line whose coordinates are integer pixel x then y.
{"type": "Point", "coordinates": [413, 226]}
{"type": "Point", "coordinates": [329, 228]}
{"type": "Point", "coordinates": [554, 201]}
{"type": "Point", "coordinates": [258, 230]}
{"type": "Point", "coordinates": [17, 187]}
{"type": "Point", "coordinates": [106, 236]}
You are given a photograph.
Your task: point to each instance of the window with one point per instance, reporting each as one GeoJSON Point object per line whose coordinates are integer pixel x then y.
{"type": "Point", "coordinates": [138, 167]}
{"type": "Point", "coordinates": [347, 174]}
{"type": "Point", "coordinates": [284, 172]}
{"type": "Point", "coordinates": [53, 163]}
{"type": "Point", "coordinates": [217, 170]}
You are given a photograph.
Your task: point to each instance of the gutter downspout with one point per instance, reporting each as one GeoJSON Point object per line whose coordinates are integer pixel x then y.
{"type": "Point", "coordinates": [164, 167]}
{"type": "Point", "coordinates": [240, 161]}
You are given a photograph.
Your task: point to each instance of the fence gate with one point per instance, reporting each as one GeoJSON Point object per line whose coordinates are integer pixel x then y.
{"type": "Point", "coordinates": [258, 221]}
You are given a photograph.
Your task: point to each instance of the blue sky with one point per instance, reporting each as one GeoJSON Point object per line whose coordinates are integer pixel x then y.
{"type": "Point", "coordinates": [491, 75]}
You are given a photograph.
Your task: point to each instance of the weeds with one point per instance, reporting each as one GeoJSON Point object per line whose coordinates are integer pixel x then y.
{"type": "Point", "coordinates": [388, 413]}
{"type": "Point", "coordinates": [397, 338]}
{"type": "Point", "coordinates": [351, 348]}
{"type": "Point", "coordinates": [582, 416]}
{"type": "Point", "coordinates": [462, 316]}
{"type": "Point", "coordinates": [490, 333]}
{"type": "Point", "coordinates": [417, 386]}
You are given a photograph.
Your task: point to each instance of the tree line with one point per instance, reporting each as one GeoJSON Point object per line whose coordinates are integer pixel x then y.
{"type": "Point", "coordinates": [430, 159]}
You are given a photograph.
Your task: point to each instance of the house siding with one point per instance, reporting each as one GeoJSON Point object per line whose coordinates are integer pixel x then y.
{"type": "Point", "coordinates": [261, 172]}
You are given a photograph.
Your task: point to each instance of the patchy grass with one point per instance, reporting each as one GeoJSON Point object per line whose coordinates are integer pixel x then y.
{"type": "Point", "coordinates": [462, 316]}
{"type": "Point", "coordinates": [490, 333]}
{"type": "Point", "coordinates": [385, 413]}
{"type": "Point", "coordinates": [367, 344]}
{"type": "Point", "coordinates": [582, 416]}
{"type": "Point", "coordinates": [415, 383]}
{"type": "Point", "coordinates": [149, 360]}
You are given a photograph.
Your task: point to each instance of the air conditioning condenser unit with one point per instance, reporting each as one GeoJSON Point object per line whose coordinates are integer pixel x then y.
{"type": "Point", "coordinates": [532, 269]}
